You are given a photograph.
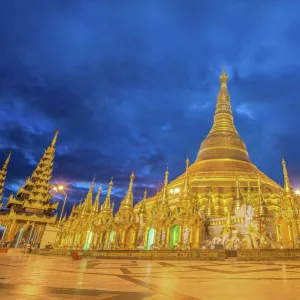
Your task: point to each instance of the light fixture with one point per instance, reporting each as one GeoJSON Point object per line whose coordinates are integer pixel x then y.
{"type": "Point", "coordinates": [171, 191]}
{"type": "Point", "coordinates": [176, 191]}
{"type": "Point", "coordinates": [60, 187]}
{"type": "Point", "coordinates": [297, 192]}
{"type": "Point", "coordinates": [55, 189]}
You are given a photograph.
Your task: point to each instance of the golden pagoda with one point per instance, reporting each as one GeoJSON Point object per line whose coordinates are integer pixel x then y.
{"type": "Point", "coordinates": [221, 200]}
{"type": "Point", "coordinates": [3, 173]}
{"type": "Point", "coordinates": [287, 217]}
{"type": "Point", "coordinates": [31, 210]}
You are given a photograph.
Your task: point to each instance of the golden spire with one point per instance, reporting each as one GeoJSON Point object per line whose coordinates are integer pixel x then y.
{"type": "Point", "coordinates": [88, 202]}
{"type": "Point", "coordinates": [97, 200]}
{"type": "Point", "coordinates": [128, 200]}
{"type": "Point", "coordinates": [186, 186]}
{"type": "Point", "coordinates": [3, 173]}
{"type": "Point", "coordinates": [165, 188]}
{"type": "Point", "coordinates": [145, 194]}
{"type": "Point", "coordinates": [54, 139]}
{"type": "Point", "coordinates": [287, 185]}
{"type": "Point", "coordinates": [106, 203]}
{"type": "Point", "coordinates": [287, 201]}
{"type": "Point", "coordinates": [223, 140]}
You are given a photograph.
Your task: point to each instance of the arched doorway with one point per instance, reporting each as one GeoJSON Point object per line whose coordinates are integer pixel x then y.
{"type": "Point", "coordinates": [174, 236]}
{"type": "Point", "coordinates": [88, 240]}
{"type": "Point", "coordinates": [105, 240]}
{"type": "Point", "coordinates": [130, 238]}
{"type": "Point", "coordinates": [151, 233]}
{"type": "Point", "coordinates": [111, 236]}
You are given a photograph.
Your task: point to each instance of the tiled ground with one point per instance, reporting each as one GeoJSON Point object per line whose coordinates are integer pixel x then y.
{"type": "Point", "coordinates": [43, 277]}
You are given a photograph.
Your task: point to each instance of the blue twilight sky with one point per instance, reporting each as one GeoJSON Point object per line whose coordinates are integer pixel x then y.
{"type": "Point", "coordinates": [133, 85]}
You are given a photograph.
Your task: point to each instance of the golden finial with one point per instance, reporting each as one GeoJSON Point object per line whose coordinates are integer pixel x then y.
{"type": "Point", "coordinates": [287, 185]}
{"type": "Point", "coordinates": [55, 138]}
{"type": "Point", "coordinates": [128, 200]}
{"type": "Point", "coordinates": [131, 181]}
{"type": "Point", "coordinates": [145, 194]}
{"type": "Point", "coordinates": [224, 77]}
{"type": "Point", "coordinates": [166, 176]}
{"type": "Point", "coordinates": [187, 162]}
{"type": "Point", "coordinates": [106, 203]}
{"type": "Point", "coordinates": [7, 160]}
{"type": "Point", "coordinates": [88, 203]}
{"type": "Point", "coordinates": [97, 202]}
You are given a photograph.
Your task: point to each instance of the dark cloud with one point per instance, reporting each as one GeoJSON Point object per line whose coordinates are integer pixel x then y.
{"type": "Point", "coordinates": [133, 86]}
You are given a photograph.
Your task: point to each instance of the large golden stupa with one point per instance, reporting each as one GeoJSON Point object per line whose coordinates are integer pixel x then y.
{"type": "Point", "coordinates": [222, 161]}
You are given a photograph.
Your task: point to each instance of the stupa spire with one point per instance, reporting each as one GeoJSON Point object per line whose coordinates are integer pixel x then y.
{"type": "Point", "coordinates": [128, 200]}
{"type": "Point", "coordinates": [287, 185]}
{"type": "Point", "coordinates": [54, 139]}
{"type": "Point", "coordinates": [3, 173]}
{"type": "Point", "coordinates": [223, 140]}
{"type": "Point", "coordinates": [165, 188]}
{"type": "Point", "coordinates": [223, 119]}
{"type": "Point", "coordinates": [97, 200]}
{"type": "Point", "coordinates": [106, 203]}
{"type": "Point", "coordinates": [88, 202]}
{"type": "Point", "coordinates": [186, 185]}
{"type": "Point", "coordinates": [288, 193]}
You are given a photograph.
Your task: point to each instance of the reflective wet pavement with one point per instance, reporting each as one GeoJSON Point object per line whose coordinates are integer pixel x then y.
{"type": "Point", "coordinates": [44, 277]}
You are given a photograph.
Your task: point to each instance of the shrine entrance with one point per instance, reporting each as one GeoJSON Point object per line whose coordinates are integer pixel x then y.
{"type": "Point", "coordinates": [130, 238]}
{"type": "Point", "coordinates": [150, 238]}
{"type": "Point", "coordinates": [174, 236]}
{"type": "Point", "coordinates": [88, 241]}
{"type": "Point", "coordinates": [111, 237]}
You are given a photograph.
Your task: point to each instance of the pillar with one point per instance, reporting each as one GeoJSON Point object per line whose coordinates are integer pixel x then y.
{"type": "Point", "coordinates": [277, 233]}
{"type": "Point", "coordinates": [123, 235]}
{"type": "Point", "coordinates": [168, 237]}
{"type": "Point", "coordinates": [180, 235]}
{"type": "Point", "coordinates": [12, 232]}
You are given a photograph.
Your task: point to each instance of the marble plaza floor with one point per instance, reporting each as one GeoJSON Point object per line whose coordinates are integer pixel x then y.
{"type": "Point", "coordinates": [44, 277]}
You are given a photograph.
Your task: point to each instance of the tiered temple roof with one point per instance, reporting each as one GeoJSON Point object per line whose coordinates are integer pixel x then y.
{"type": "Point", "coordinates": [35, 195]}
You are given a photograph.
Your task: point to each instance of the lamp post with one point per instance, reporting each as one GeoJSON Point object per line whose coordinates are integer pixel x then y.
{"type": "Point", "coordinates": [60, 189]}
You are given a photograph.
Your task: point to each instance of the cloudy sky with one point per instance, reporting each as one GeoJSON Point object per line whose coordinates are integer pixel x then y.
{"type": "Point", "coordinates": [133, 85]}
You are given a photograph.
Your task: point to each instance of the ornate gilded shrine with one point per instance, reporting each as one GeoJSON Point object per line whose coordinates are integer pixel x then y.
{"type": "Point", "coordinates": [30, 211]}
{"type": "Point", "coordinates": [221, 201]}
